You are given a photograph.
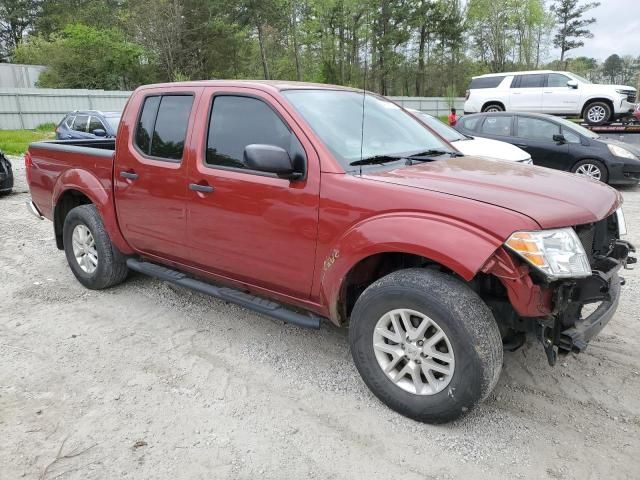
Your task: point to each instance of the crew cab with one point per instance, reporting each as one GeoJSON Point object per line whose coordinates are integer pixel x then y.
{"type": "Point", "coordinates": [313, 203]}
{"type": "Point", "coordinates": [547, 91]}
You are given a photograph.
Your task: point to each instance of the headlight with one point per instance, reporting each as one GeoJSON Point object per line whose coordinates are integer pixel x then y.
{"type": "Point", "coordinates": [618, 151]}
{"type": "Point", "coordinates": [556, 253]}
{"type": "Point", "coordinates": [622, 223]}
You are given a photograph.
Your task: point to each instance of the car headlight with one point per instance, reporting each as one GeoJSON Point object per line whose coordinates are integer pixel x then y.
{"type": "Point", "coordinates": [618, 151]}
{"type": "Point", "coordinates": [622, 223]}
{"type": "Point", "coordinates": [557, 253]}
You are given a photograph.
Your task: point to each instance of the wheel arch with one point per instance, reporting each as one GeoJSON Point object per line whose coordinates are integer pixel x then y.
{"type": "Point", "coordinates": [79, 187]}
{"type": "Point", "coordinates": [493, 102]}
{"type": "Point", "coordinates": [589, 101]}
{"type": "Point", "coordinates": [378, 247]}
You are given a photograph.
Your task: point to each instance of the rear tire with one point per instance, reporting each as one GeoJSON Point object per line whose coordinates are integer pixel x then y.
{"type": "Point", "coordinates": [592, 168]}
{"type": "Point", "coordinates": [597, 113]}
{"type": "Point", "coordinates": [467, 361]}
{"type": "Point", "coordinates": [93, 259]}
{"type": "Point", "coordinates": [493, 107]}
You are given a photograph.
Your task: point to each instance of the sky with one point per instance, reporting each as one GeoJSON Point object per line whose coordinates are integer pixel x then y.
{"type": "Point", "coordinates": [617, 30]}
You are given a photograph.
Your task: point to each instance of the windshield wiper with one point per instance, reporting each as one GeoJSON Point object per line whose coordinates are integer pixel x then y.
{"type": "Point", "coordinates": [425, 156]}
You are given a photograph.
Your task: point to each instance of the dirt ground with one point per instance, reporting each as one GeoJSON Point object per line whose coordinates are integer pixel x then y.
{"type": "Point", "coordinates": [149, 381]}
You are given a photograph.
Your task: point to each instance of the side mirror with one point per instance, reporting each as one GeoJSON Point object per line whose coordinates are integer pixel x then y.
{"type": "Point", "coordinates": [270, 159]}
{"type": "Point", "coordinates": [98, 132]}
{"type": "Point", "coordinates": [558, 138]}
{"type": "Point", "coordinates": [572, 84]}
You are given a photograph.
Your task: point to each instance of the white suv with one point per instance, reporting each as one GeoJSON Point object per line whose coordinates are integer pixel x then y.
{"type": "Point", "coordinates": [546, 91]}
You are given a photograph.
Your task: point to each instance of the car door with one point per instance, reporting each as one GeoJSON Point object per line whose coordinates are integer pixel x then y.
{"type": "Point", "coordinates": [243, 224]}
{"type": "Point", "coordinates": [558, 97]}
{"type": "Point", "coordinates": [150, 174]}
{"type": "Point", "coordinates": [535, 135]}
{"type": "Point", "coordinates": [525, 94]}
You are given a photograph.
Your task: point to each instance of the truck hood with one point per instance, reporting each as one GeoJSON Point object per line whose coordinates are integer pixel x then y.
{"type": "Point", "coordinates": [551, 198]}
{"type": "Point", "coordinates": [601, 86]}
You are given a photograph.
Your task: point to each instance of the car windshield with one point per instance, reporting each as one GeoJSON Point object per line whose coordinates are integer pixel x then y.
{"type": "Point", "coordinates": [577, 128]}
{"type": "Point", "coordinates": [336, 116]}
{"type": "Point", "coordinates": [581, 79]}
{"type": "Point", "coordinates": [440, 128]}
{"type": "Point", "coordinates": [113, 122]}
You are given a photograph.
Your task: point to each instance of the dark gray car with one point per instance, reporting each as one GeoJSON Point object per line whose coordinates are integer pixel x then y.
{"type": "Point", "coordinates": [560, 144]}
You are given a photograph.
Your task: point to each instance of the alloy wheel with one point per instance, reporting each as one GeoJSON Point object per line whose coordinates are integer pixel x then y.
{"type": "Point", "coordinates": [596, 114]}
{"type": "Point", "coordinates": [590, 170]}
{"type": "Point", "coordinates": [413, 351]}
{"type": "Point", "coordinates": [84, 249]}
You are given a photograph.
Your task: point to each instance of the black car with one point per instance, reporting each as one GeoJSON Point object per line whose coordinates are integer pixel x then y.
{"type": "Point", "coordinates": [558, 143]}
{"type": "Point", "coordinates": [6, 175]}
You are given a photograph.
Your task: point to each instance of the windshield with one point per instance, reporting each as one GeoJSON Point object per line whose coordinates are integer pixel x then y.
{"type": "Point", "coordinates": [113, 122]}
{"type": "Point", "coordinates": [336, 117]}
{"type": "Point", "coordinates": [579, 78]}
{"type": "Point", "coordinates": [577, 128]}
{"type": "Point", "coordinates": [440, 128]}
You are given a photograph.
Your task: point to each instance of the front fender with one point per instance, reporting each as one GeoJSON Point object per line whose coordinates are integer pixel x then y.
{"type": "Point", "coordinates": [102, 197]}
{"type": "Point", "coordinates": [458, 246]}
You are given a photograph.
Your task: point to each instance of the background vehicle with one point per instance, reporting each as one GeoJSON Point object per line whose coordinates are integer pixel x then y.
{"type": "Point", "coordinates": [558, 143]}
{"type": "Point", "coordinates": [6, 175]}
{"type": "Point", "coordinates": [88, 124]}
{"type": "Point", "coordinates": [546, 91]}
{"type": "Point", "coordinates": [469, 145]}
{"type": "Point", "coordinates": [270, 195]}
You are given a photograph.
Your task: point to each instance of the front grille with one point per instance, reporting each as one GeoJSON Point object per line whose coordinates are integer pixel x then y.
{"type": "Point", "coordinates": [598, 238]}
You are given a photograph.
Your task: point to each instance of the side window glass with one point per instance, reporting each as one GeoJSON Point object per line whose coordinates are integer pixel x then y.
{"type": "Point", "coordinates": [570, 136]}
{"type": "Point", "coordinates": [532, 81]}
{"type": "Point", "coordinates": [69, 121]}
{"type": "Point", "coordinates": [236, 122]}
{"type": "Point", "coordinates": [170, 129]}
{"type": "Point", "coordinates": [536, 129]}
{"type": "Point", "coordinates": [470, 123]}
{"type": "Point", "coordinates": [95, 124]}
{"type": "Point", "coordinates": [80, 123]}
{"type": "Point", "coordinates": [497, 126]}
{"type": "Point", "coordinates": [556, 80]}
{"type": "Point", "coordinates": [144, 129]}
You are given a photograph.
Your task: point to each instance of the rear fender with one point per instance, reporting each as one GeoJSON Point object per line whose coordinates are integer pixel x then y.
{"type": "Point", "coordinates": [460, 247]}
{"type": "Point", "coordinates": [90, 186]}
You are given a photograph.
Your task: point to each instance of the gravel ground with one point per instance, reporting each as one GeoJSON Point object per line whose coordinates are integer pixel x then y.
{"type": "Point", "coordinates": [150, 381]}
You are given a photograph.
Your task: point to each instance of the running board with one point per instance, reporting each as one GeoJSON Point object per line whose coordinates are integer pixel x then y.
{"type": "Point", "coordinates": [252, 302]}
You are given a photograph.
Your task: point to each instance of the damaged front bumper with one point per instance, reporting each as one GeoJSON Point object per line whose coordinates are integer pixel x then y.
{"type": "Point", "coordinates": [568, 329]}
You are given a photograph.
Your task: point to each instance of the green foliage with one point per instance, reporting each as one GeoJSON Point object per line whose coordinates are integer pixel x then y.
{"type": "Point", "coordinates": [85, 57]}
{"type": "Point", "coordinates": [15, 142]}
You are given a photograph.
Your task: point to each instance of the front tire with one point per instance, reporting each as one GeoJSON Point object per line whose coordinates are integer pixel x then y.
{"type": "Point", "coordinates": [593, 169]}
{"type": "Point", "coordinates": [93, 259]}
{"type": "Point", "coordinates": [432, 372]}
{"type": "Point", "coordinates": [597, 113]}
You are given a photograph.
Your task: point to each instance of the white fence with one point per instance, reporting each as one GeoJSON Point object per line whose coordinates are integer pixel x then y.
{"type": "Point", "coordinates": [29, 107]}
{"type": "Point", "coordinates": [435, 106]}
{"type": "Point", "coordinates": [13, 75]}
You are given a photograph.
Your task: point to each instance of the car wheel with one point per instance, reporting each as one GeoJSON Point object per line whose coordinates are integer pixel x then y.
{"type": "Point", "coordinates": [425, 344]}
{"type": "Point", "coordinates": [597, 113]}
{"type": "Point", "coordinates": [93, 259]}
{"type": "Point", "coordinates": [493, 107]}
{"type": "Point", "coordinates": [593, 169]}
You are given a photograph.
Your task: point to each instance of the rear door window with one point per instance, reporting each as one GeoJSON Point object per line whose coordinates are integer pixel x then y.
{"type": "Point", "coordinates": [536, 129]}
{"type": "Point", "coordinates": [497, 126]}
{"type": "Point", "coordinates": [80, 123]}
{"type": "Point", "coordinates": [529, 81]}
{"type": "Point", "coordinates": [69, 121]}
{"type": "Point", "coordinates": [162, 126]}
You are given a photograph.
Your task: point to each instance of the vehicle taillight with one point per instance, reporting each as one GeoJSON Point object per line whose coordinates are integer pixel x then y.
{"type": "Point", "coordinates": [28, 163]}
{"type": "Point", "coordinates": [466, 94]}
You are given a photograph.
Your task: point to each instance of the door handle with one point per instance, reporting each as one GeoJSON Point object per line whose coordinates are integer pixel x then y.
{"type": "Point", "coordinates": [196, 187]}
{"type": "Point", "coordinates": [129, 175]}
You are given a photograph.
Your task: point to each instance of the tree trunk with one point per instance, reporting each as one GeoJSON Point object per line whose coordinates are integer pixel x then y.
{"type": "Point", "coordinates": [263, 53]}
{"type": "Point", "coordinates": [294, 34]}
{"type": "Point", "coordinates": [420, 76]}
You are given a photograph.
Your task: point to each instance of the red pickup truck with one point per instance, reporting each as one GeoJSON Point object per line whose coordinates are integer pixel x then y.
{"type": "Point", "coordinates": [313, 202]}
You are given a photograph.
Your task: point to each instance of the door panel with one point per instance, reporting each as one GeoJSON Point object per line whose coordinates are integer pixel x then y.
{"type": "Point", "coordinates": [557, 97]}
{"type": "Point", "coordinates": [151, 191]}
{"type": "Point", "coordinates": [535, 135]}
{"type": "Point", "coordinates": [525, 94]}
{"type": "Point", "coordinates": [252, 228]}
